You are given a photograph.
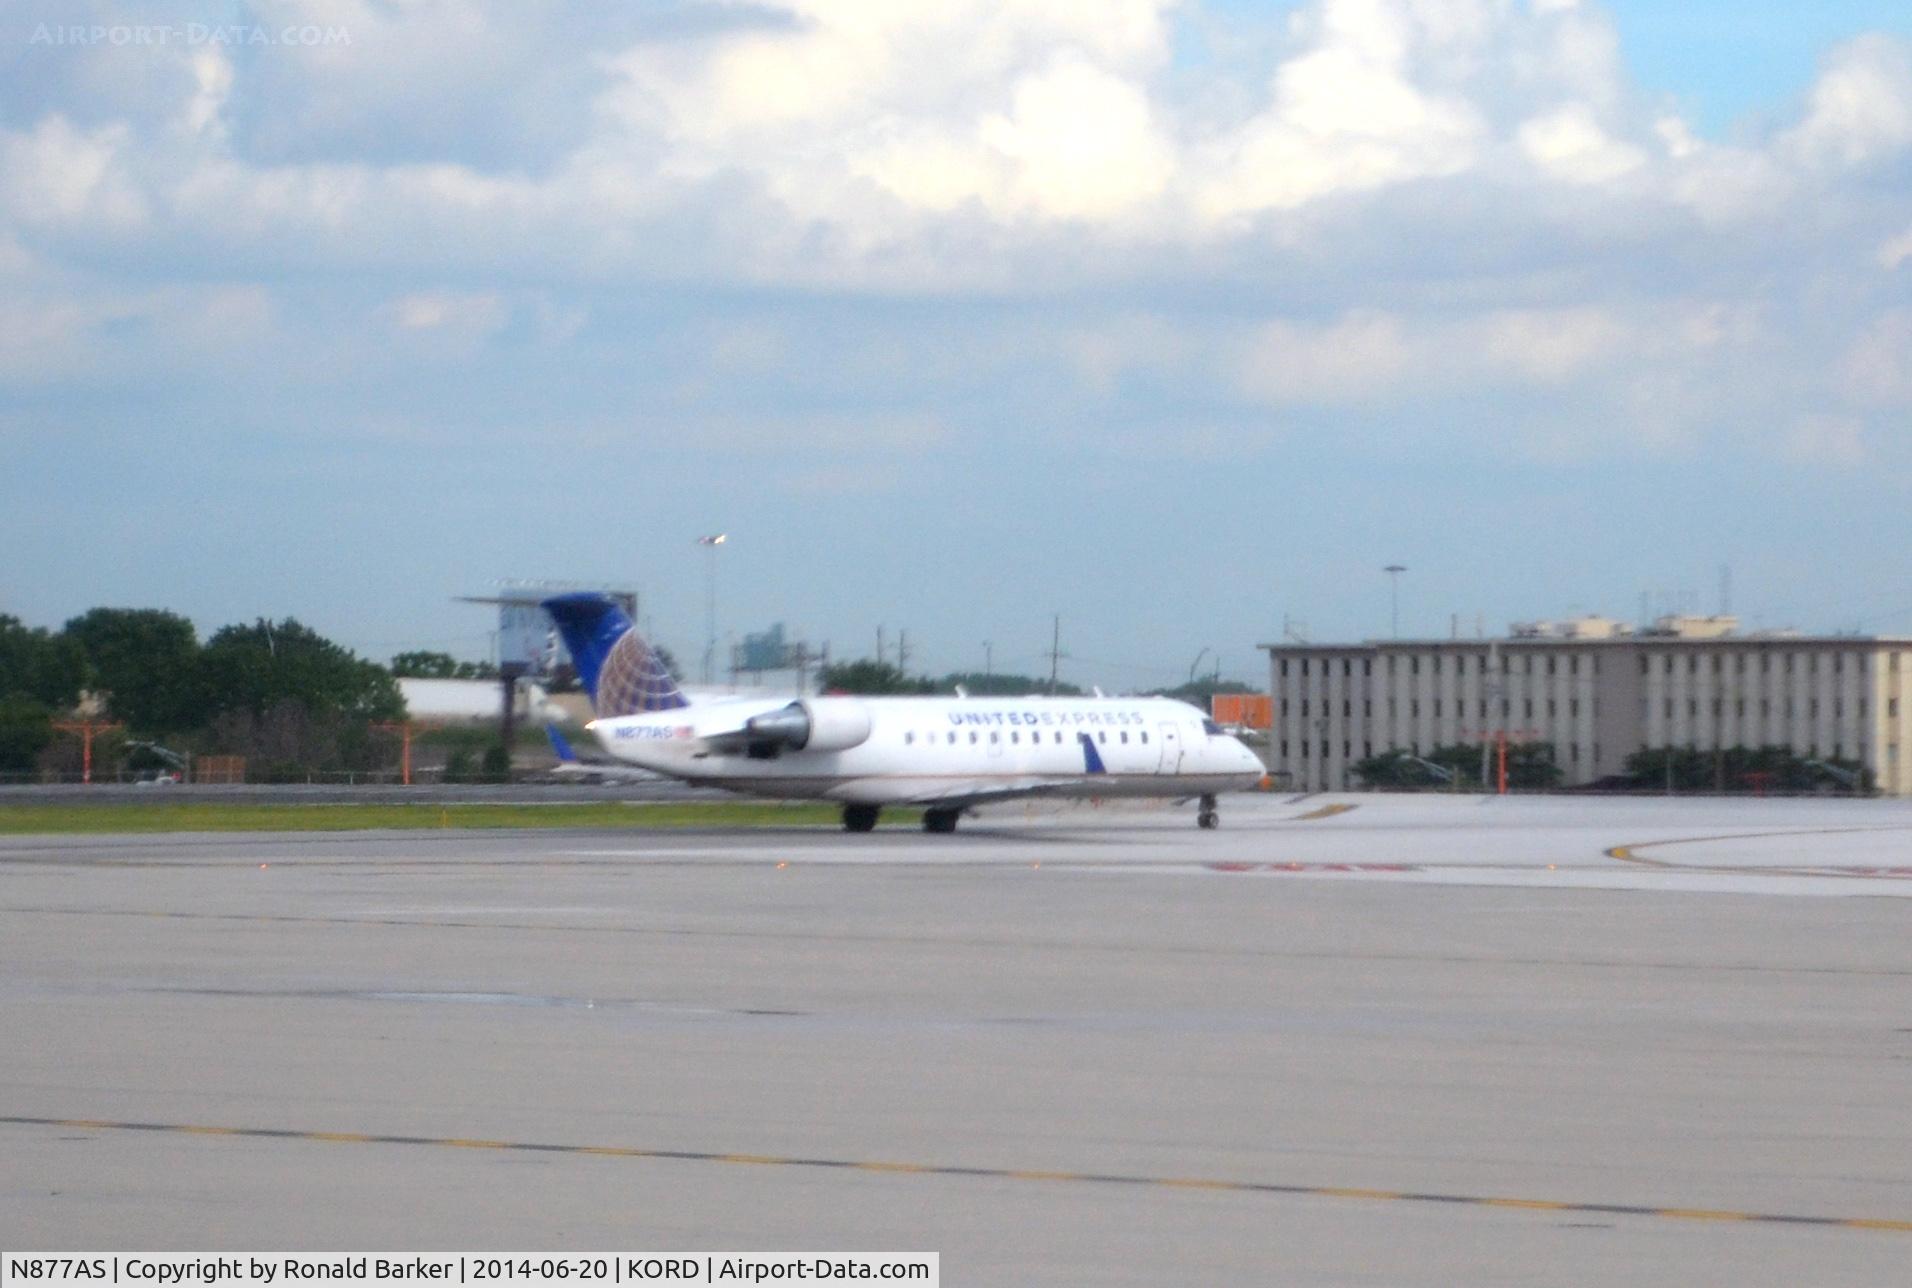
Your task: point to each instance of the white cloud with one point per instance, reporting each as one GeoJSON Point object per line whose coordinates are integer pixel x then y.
{"type": "Point", "coordinates": [1569, 144]}
{"type": "Point", "coordinates": [1361, 356]}
{"type": "Point", "coordinates": [1346, 116]}
{"type": "Point", "coordinates": [1430, 197]}
{"type": "Point", "coordinates": [1878, 365]}
{"type": "Point", "coordinates": [1896, 251]}
{"type": "Point", "coordinates": [59, 174]}
{"type": "Point", "coordinates": [456, 323]}
{"type": "Point", "coordinates": [1369, 356]}
{"type": "Point", "coordinates": [1860, 108]}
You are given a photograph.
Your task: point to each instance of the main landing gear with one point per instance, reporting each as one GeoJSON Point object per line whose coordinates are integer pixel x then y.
{"type": "Point", "coordinates": [862, 818]}
{"type": "Point", "coordinates": [1207, 818]}
{"type": "Point", "coordinates": [940, 820]}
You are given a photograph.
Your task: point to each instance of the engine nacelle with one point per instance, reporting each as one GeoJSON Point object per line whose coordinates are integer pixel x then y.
{"type": "Point", "coordinates": [812, 724]}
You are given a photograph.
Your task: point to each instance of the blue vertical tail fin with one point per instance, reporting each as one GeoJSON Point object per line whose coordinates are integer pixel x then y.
{"type": "Point", "coordinates": [616, 667]}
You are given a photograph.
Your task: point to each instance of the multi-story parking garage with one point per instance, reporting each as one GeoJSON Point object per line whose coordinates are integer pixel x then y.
{"type": "Point", "coordinates": [1597, 691]}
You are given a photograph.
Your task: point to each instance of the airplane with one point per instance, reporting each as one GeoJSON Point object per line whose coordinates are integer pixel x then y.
{"type": "Point", "coordinates": [569, 765]}
{"type": "Point", "coordinates": [943, 755]}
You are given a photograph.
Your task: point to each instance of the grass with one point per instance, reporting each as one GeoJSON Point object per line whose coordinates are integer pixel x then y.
{"type": "Point", "coordinates": [222, 817]}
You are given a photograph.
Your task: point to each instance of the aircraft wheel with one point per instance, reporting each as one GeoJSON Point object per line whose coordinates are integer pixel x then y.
{"type": "Point", "coordinates": [859, 818]}
{"type": "Point", "coordinates": [1208, 819]}
{"type": "Point", "coordinates": [940, 820]}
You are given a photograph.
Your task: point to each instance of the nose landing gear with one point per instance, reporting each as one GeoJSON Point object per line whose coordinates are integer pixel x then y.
{"type": "Point", "coordinates": [1207, 818]}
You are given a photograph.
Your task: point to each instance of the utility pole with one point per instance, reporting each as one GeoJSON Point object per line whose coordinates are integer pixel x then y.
{"type": "Point", "coordinates": [879, 646]}
{"type": "Point", "coordinates": [1055, 653]}
{"type": "Point", "coordinates": [1394, 572]}
{"type": "Point", "coordinates": [903, 651]}
{"type": "Point", "coordinates": [989, 666]}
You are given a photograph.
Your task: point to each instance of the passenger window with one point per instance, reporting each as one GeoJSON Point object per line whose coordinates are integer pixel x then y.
{"type": "Point", "coordinates": [1015, 735]}
{"type": "Point", "coordinates": [1125, 735]}
{"type": "Point", "coordinates": [1145, 737]}
{"type": "Point", "coordinates": [909, 738]}
{"type": "Point", "coordinates": [1101, 736]}
{"type": "Point", "coordinates": [994, 736]}
{"type": "Point", "coordinates": [952, 737]}
{"type": "Point", "coordinates": [972, 737]}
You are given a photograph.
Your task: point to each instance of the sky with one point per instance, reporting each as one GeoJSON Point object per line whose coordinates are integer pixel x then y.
{"type": "Point", "coordinates": [1179, 321]}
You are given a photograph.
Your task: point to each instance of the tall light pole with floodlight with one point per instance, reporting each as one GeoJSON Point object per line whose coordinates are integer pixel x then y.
{"type": "Point", "coordinates": [710, 545]}
{"type": "Point", "coordinates": [1394, 572]}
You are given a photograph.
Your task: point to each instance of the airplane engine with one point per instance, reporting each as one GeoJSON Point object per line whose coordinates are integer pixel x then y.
{"type": "Point", "coordinates": [812, 724]}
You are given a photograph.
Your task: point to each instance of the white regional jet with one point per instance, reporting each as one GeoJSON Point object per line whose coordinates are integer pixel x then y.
{"type": "Point", "coordinates": [943, 754]}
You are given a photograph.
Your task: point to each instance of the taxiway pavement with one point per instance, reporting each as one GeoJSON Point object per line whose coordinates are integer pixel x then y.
{"type": "Point", "coordinates": [1412, 1041]}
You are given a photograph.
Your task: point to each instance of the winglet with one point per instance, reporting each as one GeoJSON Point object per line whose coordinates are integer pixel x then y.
{"type": "Point", "coordinates": [1091, 758]}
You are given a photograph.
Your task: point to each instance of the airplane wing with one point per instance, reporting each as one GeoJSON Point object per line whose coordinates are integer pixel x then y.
{"type": "Point", "coordinates": [964, 797]}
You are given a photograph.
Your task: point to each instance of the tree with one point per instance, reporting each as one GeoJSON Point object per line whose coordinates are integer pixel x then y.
{"type": "Point", "coordinates": [868, 677]}
{"type": "Point", "coordinates": [1733, 769]}
{"type": "Point", "coordinates": [254, 668]}
{"type": "Point", "coordinates": [37, 665]}
{"type": "Point", "coordinates": [146, 662]}
{"type": "Point", "coordinates": [1202, 688]}
{"type": "Point", "coordinates": [1396, 768]}
{"type": "Point", "coordinates": [425, 666]}
{"type": "Point", "coordinates": [26, 727]}
{"type": "Point", "coordinates": [1530, 766]}
{"type": "Point", "coordinates": [995, 684]}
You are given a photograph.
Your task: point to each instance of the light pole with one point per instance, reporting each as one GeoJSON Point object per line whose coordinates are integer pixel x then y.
{"type": "Point", "coordinates": [710, 545]}
{"type": "Point", "coordinates": [989, 666]}
{"type": "Point", "coordinates": [1394, 572]}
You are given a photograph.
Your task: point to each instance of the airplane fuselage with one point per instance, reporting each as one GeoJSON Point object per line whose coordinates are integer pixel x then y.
{"type": "Point", "coordinates": [888, 751]}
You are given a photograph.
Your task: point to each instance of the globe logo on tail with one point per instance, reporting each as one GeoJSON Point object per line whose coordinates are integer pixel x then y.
{"type": "Point", "coordinates": [633, 680]}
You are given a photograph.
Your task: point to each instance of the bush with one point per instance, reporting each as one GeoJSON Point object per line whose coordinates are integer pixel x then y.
{"type": "Point", "coordinates": [458, 767]}
{"type": "Point", "coordinates": [496, 767]}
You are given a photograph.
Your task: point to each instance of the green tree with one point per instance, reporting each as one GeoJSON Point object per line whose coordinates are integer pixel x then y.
{"type": "Point", "coordinates": [26, 727]}
{"type": "Point", "coordinates": [1198, 691]}
{"type": "Point", "coordinates": [255, 668]}
{"type": "Point", "coordinates": [440, 666]}
{"type": "Point", "coordinates": [146, 662]}
{"type": "Point", "coordinates": [995, 684]}
{"type": "Point", "coordinates": [869, 677]}
{"type": "Point", "coordinates": [425, 666]}
{"type": "Point", "coordinates": [38, 665]}
{"type": "Point", "coordinates": [1396, 768]}
{"type": "Point", "coordinates": [1530, 766]}
{"type": "Point", "coordinates": [1737, 769]}
{"type": "Point", "coordinates": [495, 767]}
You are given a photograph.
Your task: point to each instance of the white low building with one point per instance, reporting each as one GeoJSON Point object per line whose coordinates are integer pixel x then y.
{"type": "Point", "coordinates": [1597, 692]}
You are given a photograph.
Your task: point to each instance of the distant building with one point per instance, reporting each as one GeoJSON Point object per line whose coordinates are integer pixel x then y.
{"type": "Point", "coordinates": [1598, 691]}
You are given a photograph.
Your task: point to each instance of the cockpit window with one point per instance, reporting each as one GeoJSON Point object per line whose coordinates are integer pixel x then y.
{"type": "Point", "coordinates": [1210, 727]}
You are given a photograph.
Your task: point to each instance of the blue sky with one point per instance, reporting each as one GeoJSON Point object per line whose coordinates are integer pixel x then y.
{"type": "Point", "coordinates": [1178, 320]}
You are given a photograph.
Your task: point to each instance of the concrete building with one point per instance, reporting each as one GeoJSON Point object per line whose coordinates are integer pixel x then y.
{"type": "Point", "coordinates": [1597, 691]}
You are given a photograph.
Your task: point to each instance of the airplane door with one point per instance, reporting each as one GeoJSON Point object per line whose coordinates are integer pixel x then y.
{"type": "Point", "coordinates": [1170, 736]}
